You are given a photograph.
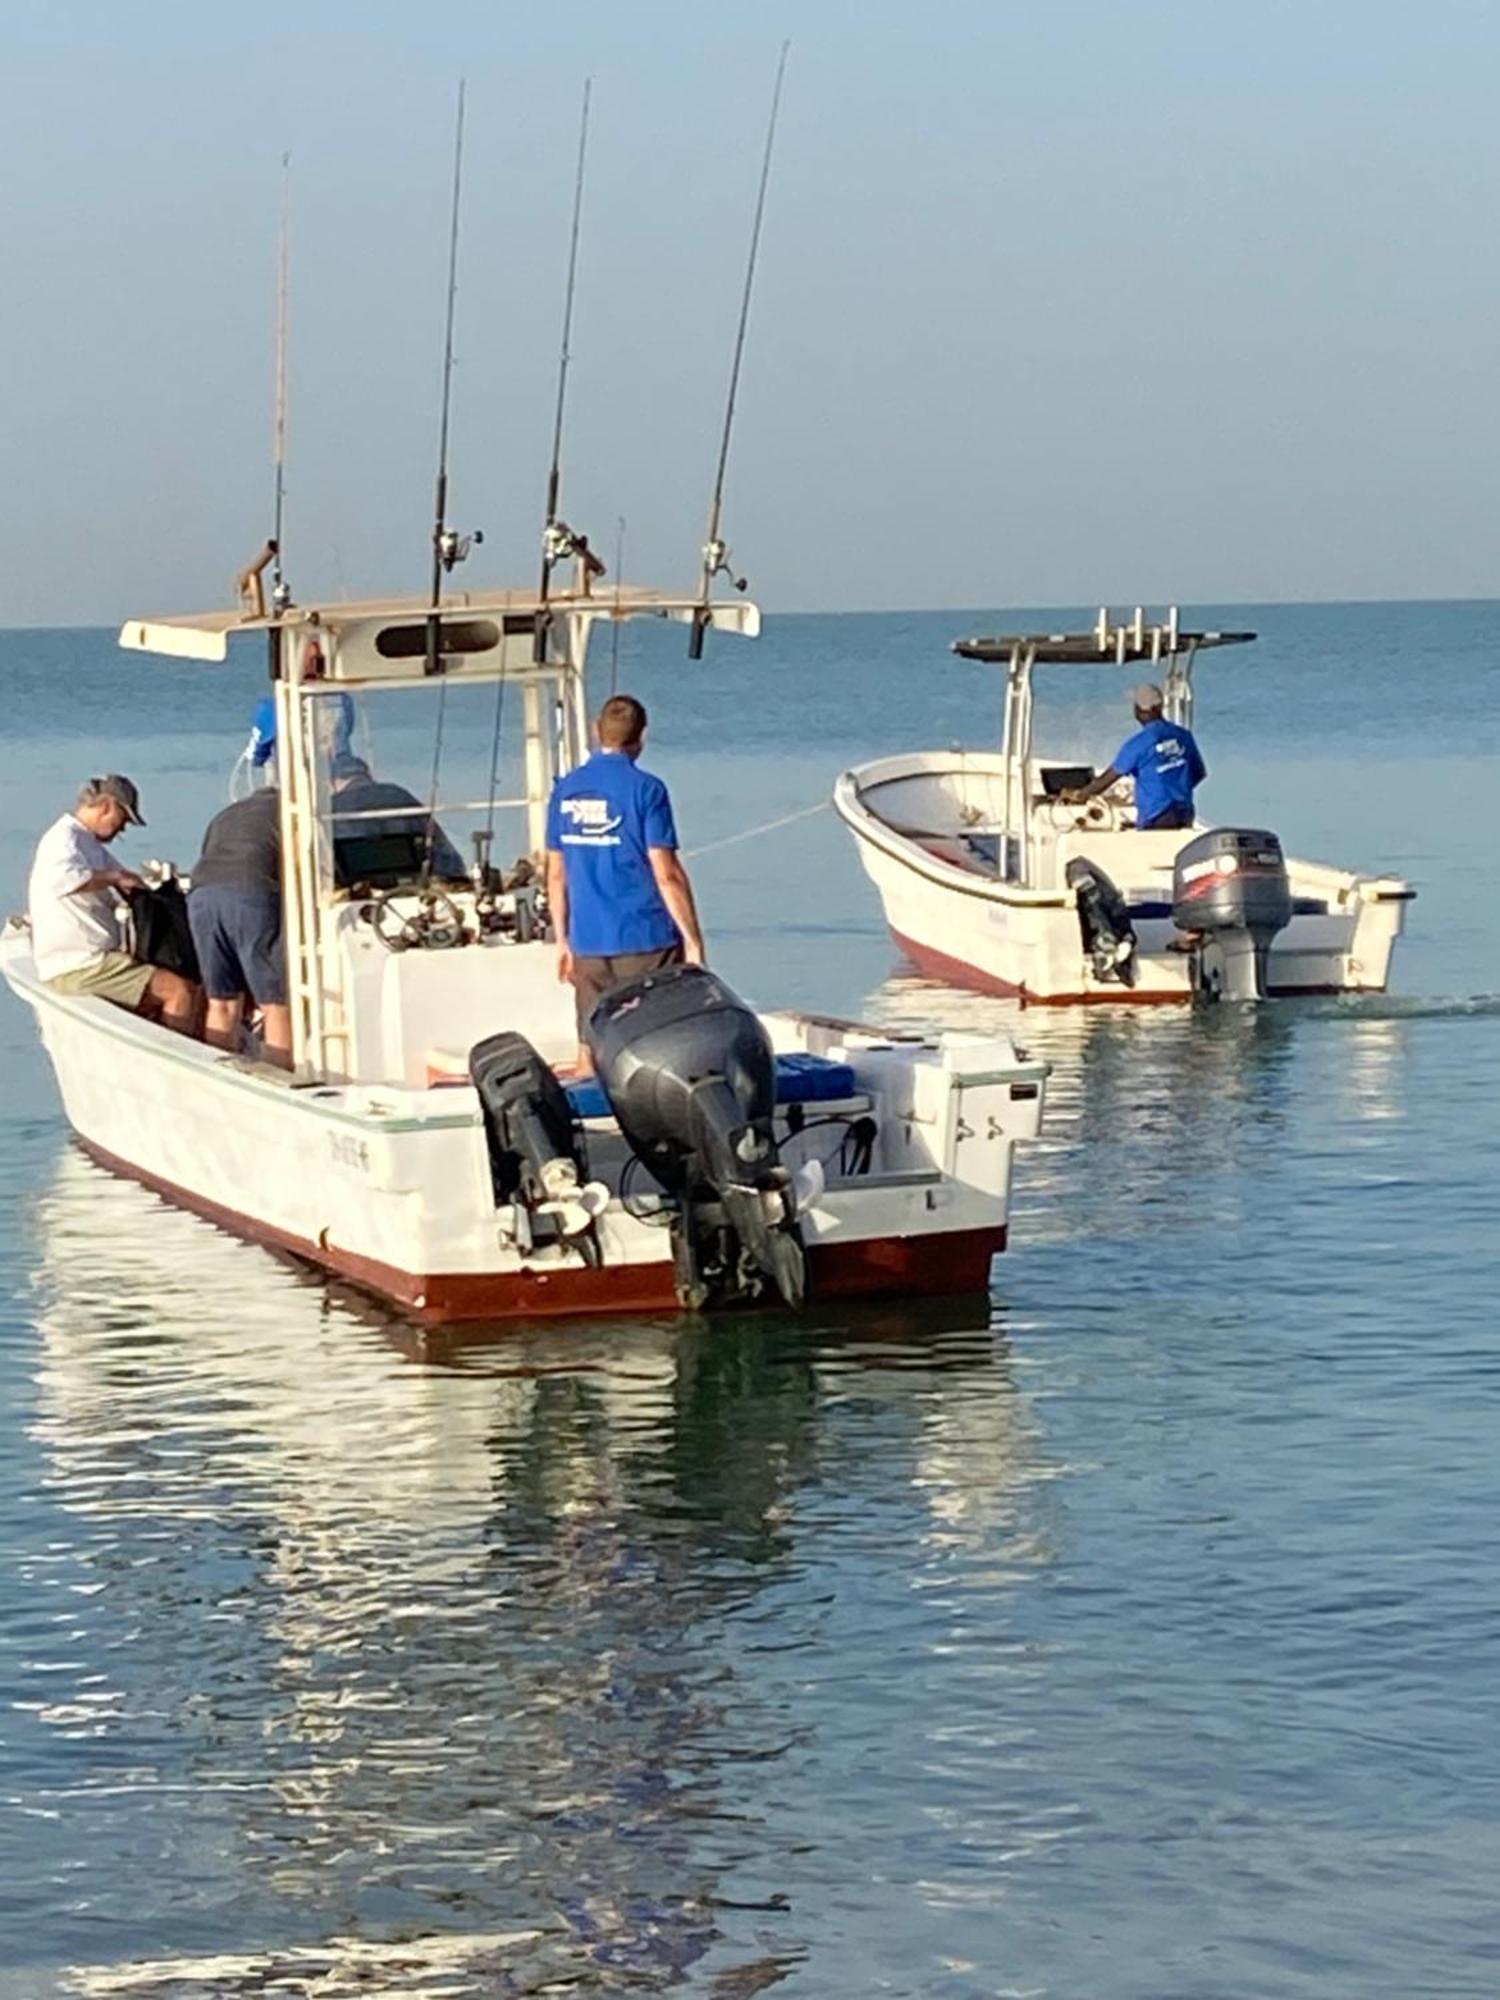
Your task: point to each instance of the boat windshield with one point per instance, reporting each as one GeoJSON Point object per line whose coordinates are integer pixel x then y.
{"type": "Point", "coordinates": [399, 767]}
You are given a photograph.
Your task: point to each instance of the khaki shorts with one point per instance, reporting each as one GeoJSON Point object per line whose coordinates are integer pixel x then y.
{"type": "Point", "coordinates": [114, 976]}
{"type": "Point", "coordinates": [594, 977]}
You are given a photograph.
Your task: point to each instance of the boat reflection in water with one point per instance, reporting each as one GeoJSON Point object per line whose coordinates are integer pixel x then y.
{"type": "Point", "coordinates": [396, 1654]}
{"type": "Point", "coordinates": [1190, 1106]}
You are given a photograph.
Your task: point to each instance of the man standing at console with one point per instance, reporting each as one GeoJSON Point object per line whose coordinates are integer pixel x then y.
{"type": "Point", "coordinates": [1164, 760]}
{"type": "Point", "coordinates": [620, 898]}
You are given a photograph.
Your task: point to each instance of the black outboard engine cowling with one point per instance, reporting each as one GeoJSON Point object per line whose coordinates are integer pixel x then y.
{"type": "Point", "coordinates": [691, 1078]}
{"type": "Point", "coordinates": [1231, 894]}
{"type": "Point", "coordinates": [1103, 922]}
{"type": "Point", "coordinates": [537, 1157]}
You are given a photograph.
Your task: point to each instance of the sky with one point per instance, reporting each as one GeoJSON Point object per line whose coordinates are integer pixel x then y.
{"type": "Point", "coordinates": [1084, 301]}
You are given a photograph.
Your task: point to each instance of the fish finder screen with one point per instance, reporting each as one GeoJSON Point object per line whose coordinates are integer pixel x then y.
{"type": "Point", "coordinates": [1066, 778]}
{"type": "Point", "coordinates": [380, 860]}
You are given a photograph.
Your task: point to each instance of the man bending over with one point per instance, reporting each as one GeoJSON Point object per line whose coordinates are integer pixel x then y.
{"type": "Point", "coordinates": [235, 911]}
{"type": "Point", "coordinates": [77, 933]}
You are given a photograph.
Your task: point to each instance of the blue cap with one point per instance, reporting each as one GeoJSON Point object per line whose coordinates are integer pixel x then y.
{"type": "Point", "coordinates": [262, 744]}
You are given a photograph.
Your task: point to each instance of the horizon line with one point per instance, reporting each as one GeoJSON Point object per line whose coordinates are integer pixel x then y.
{"type": "Point", "coordinates": [961, 610]}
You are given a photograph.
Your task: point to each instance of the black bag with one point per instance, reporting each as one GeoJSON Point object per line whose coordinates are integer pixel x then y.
{"type": "Point", "coordinates": [163, 935]}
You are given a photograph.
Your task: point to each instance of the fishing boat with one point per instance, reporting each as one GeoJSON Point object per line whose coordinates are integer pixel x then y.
{"type": "Point", "coordinates": [876, 1163]}
{"type": "Point", "coordinates": [422, 1143]}
{"type": "Point", "coordinates": [994, 877]}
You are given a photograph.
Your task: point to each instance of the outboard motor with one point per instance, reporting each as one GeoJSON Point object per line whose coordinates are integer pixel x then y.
{"type": "Point", "coordinates": [537, 1157]}
{"type": "Point", "coordinates": [1231, 895]}
{"type": "Point", "coordinates": [1104, 920]}
{"type": "Point", "coordinates": [691, 1078]}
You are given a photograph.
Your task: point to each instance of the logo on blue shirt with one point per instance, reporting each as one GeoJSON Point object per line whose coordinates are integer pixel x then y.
{"type": "Point", "coordinates": [590, 821]}
{"type": "Point", "coordinates": [1166, 764]}
{"type": "Point", "coordinates": [604, 820]}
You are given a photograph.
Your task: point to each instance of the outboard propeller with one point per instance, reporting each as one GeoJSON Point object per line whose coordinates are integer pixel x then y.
{"type": "Point", "coordinates": [537, 1157]}
{"type": "Point", "coordinates": [691, 1078]}
{"type": "Point", "coordinates": [1231, 895]}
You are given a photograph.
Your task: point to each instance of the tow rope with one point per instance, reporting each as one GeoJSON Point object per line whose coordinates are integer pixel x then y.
{"type": "Point", "coordinates": [751, 832]}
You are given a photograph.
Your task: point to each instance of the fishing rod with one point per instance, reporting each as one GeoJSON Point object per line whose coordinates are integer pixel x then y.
{"type": "Point", "coordinates": [715, 549]}
{"type": "Point", "coordinates": [559, 541]}
{"type": "Point", "coordinates": [616, 621]}
{"type": "Point", "coordinates": [281, 595]}
{"type": "Point", "coordinates": [449, 548]}
{"type": "Point", "coordinates": [249, 585]}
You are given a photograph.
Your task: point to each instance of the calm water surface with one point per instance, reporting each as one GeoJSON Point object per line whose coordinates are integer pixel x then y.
{"type": "Point", "coordinates": [1135, 1637]}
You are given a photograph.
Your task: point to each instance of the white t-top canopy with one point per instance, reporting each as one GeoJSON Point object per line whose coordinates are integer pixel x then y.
{"type": "Point", "coordinates": [205, 635]}
{"type": "Point", "coordinates": [1111, 643]}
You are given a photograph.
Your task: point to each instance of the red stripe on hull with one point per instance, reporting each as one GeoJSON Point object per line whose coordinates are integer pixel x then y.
{"type": "Point", "coordinates": [938, 965]}
{"type": "Point", "coordinates": [954, 972]}
{"type": "Point", "coordinates": [934, 964]}
{"type": "Point", "coordinates": [919, 1266]}
{"type": "Point", "coordinates": [906, 1266]}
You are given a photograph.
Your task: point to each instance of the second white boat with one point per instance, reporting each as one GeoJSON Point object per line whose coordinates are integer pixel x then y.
{"type": "Point", "coordinates": [991, 879]}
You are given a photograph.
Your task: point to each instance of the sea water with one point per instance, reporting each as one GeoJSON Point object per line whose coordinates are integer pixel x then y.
{"type": "Point", "coordinates": [1136, 1637]}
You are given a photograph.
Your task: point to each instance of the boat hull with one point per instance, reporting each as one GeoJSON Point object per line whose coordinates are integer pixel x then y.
{"type": "Point", "coordinates": [960, 924]}
{"type": "Point", "coordinates": [390, 1188]}
{"type": "Point", "coordinates": [931, 1266]}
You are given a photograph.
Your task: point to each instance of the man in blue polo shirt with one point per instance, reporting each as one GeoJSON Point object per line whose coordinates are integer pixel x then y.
{"type": "Point", "coordinates": [1164, 760]}
{"type": "Point", "coordinates": [620, 898]}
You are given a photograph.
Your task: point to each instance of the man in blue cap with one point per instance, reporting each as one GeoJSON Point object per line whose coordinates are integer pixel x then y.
{"type": "Point", "coordinates": [335, 724]}
{"type": "Point", "coordinates": [1164, 760]}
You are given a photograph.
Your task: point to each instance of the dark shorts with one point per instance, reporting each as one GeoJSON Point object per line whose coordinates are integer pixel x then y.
{"type": "Point", "coordinates": [1174, 816]}
{"type": "Point", "coordinates": [594, 977]}
{"type": "Point", "coordinates": [237, 933]}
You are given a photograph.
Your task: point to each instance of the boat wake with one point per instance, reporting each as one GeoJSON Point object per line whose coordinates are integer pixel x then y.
{"type": "Point", "coordinates": [1393, 1007]}
{"type": "Point", "coordinates": [907, 1002]}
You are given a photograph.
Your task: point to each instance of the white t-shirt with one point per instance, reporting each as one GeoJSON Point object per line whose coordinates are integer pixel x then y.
{"type": "Point", "coordinates": [69, 930]}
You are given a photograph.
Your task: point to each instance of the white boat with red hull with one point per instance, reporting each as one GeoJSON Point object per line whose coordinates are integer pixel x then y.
{"type": "Point", "coordinates": [422, 1144]}
{"type": "Point", "coordinates": [991, 879]}
{"type": "Point", "coordinates": [877, 1164]}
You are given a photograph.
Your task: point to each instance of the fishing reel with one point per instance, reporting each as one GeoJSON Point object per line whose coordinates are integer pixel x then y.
{"type": "Point", "coordinates": [518, 916]}
{"type": "Point", "coordinates": [716, 563]}
{"type": "Point", "coordinates": [453, 548]}
{"type": "Point", "coordinates": [559, 541]}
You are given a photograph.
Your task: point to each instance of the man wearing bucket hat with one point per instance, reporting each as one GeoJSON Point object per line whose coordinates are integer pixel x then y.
{"type": "Point", "coordinates": [78, 940]}
{"type": "Point", "coordinates": [1164, 760]}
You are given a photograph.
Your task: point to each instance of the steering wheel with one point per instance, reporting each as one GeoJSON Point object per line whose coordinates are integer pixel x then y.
{"type": "Point", "coordinates": [437, 924]}
{"type": "Point", "coordinates": [1096, 815]}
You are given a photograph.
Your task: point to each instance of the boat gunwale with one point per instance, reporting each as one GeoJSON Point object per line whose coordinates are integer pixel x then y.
{"type": "Point", "coordinates": [865, 824]}
{"type": "Point", "coordinates": [309, 1094]}
{"type": "Point", "coordinates": [850, 803]}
